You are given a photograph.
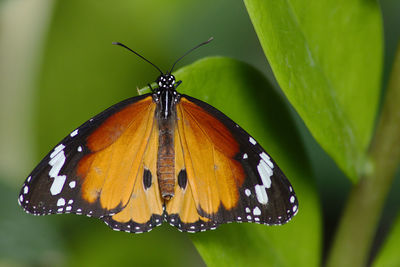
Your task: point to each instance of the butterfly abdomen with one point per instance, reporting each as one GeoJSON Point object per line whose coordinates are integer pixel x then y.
{"type": "Point", "coordinates": [166, 156]}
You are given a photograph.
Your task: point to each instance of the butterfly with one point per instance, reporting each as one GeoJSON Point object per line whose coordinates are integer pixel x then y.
{"type": "Point", "coordinates": [161, 157]}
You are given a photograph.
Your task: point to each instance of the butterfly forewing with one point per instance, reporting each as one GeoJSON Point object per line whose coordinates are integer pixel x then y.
{"type": "Point", "coordinates": [76, 177]}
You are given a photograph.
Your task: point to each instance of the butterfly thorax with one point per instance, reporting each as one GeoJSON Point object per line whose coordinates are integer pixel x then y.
{"type": "Point", "coordinates": [166, 98]}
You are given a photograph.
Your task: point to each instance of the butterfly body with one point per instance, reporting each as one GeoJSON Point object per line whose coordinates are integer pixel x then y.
{"type": "Point", "coordinates": [166, 98]}
{"type": "Point", "coordinates": [158, 157]}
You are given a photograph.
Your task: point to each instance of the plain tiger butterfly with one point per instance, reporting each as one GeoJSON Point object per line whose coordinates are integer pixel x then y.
{"type": "Point", "coordinates": [161, 156]}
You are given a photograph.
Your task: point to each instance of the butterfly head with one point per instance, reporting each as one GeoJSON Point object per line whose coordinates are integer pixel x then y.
{"type": "Point", "coordinates": [166, 81]}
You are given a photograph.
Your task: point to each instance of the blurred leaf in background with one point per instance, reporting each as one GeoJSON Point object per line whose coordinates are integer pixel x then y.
{"type": "Point", "coordinates": [327, 57]}
{"type": "Point", "coordinates": [389, 255]}
{"type": "Point", "coordinates": [24, 239]}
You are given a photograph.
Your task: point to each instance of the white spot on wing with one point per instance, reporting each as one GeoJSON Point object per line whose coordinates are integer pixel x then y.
{"type": "Point", "coordinates": [29, 179]}
{"type": "Point", "coordinates": [74, 133]}
{"type": "Point", "coordinates": [57, 162]}
{"type": "Point", "coordinates": [261, 194]}
{"type": "Point", "coordinates": [267, 159]}
{"type": "Point", "coordinates": [245, 156]}
{"type": "Point", "coordinates": [256, 211]}
{"type": "Point", "coordinates": [60, 202]}
{"type": "Point", "coordinates": [26, 189]}
{"type": "Point", "coordinates": [292, 199]}
{"type": "Point", "coordinates": [56, 150]}
{"type": "Point", "coordinates": [72, 184]}
{"type": "Point", "coordinates": [247, 192]}
{"type": "Point", "coordinates": [79, 149]}
{"type": "Point", "coordinates": [294, 208]}
{"type": "Point", "coordinates": [265, 173]}
{"type": "Point", "coordinates": [251, 140]}
{"type": "Point", "coordinates": [57, 185]}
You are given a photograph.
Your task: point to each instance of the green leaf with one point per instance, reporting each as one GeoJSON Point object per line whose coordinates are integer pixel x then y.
{"type": "Point", "coordinates": [327, 58]}
{"type": "Point", "coordinates": [389, 254]}
{"type": "Point", "coordinates": [242, 93]}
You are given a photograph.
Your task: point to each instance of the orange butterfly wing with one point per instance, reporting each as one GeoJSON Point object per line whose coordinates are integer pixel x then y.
{"type": "Point", "coordinates": [225, 171]}
{"type": "Point", "coordinates": [145, 207]}
{"type": "Point", "coordinates": [98, 170]}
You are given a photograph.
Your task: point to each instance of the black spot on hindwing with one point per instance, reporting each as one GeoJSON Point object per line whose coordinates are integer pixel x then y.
{"type": "Point", "coordinates": [182, 179]}
{"type": "Point", "coordinates": [147, 179]}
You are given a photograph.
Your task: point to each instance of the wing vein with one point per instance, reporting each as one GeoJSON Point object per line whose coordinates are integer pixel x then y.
{"type": "Point", "coordinates": [144, 153]}
{"type": "Point", "coordinates": [208, 138]}
{"type": "Point", "coordinates": [182, 137]}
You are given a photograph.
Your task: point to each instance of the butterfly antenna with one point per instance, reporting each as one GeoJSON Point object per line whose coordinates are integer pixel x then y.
{"type": "Point", "coordinates": [194, 48]}
{"type": "Point", "coordinates": [142, 57]}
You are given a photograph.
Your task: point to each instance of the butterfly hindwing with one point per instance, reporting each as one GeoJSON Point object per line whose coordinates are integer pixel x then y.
{"type": "Point", "coordinates": [145, 207]}
{"type": "Point", "coordinates": [229, 175]}
{"type": "Point", "coordinates": [93, 170]}
{"type": "Point", "coordinates": [182, 209]}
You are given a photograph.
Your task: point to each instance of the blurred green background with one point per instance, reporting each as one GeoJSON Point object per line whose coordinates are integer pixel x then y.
{"type": "Point", "coordinates": [58, 68]}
